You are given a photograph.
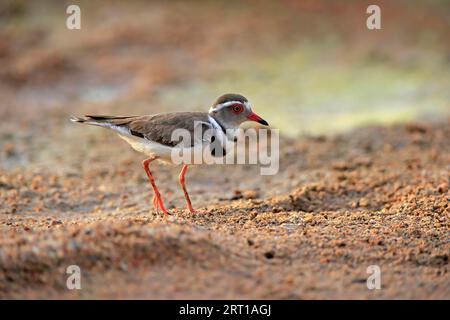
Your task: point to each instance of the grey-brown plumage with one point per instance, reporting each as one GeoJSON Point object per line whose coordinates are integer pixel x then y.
{"type": "Point", "coordinates": [157, 128]}
{"type": "Point", "coordinates": [230, 97]}
{"type": "Point", "coordinates": [152, 134]}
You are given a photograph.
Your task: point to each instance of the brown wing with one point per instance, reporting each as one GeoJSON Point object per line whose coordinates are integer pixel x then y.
{"type": "Point", "coordinates": [157, 127]}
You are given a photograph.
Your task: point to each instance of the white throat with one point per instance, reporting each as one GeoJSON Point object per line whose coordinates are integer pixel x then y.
{"type": "Point", "coordinates": [224, 132]}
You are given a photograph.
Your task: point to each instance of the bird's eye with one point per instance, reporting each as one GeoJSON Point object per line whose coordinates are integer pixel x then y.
{"type": "Point", "coordinates": [237, 108]}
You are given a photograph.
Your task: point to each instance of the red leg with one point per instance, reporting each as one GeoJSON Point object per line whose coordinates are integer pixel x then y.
{"type": "Point", "coordinates": [155, 204]}
{"type": "Point", "coordinates": [186, 195]}
{"type": "Point", "coordinates": [155, 201]}
{"type": "Point", "coordinates": [157, 196]}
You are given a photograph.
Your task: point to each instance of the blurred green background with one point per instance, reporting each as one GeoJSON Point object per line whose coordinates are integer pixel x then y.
{"type": "Point", "coordinates": [308, 67]}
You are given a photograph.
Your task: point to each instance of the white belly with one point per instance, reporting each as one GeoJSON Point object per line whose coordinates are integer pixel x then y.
{"type": "Point", "coordinates": [149, 148]}
{"type": "Point", "coordinates": [165, 153]}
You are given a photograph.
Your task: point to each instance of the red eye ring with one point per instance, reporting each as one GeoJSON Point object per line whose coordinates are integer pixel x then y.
{"type": "Point", "coordinates": [237, 108]}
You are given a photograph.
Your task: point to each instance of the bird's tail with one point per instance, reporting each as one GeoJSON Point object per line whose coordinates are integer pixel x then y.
{"type": "Point", "coordinates": [99, 120]}
{"type": "Point", "coordinates": [77, 119]}
{"type": "Point", "coordinates": [110, 122]}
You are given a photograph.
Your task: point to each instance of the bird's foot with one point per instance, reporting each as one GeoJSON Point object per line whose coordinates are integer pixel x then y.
{"type": "Point", "coordinates": [155, 205]}
{"type": "Point", "coordinates": [161, 206]}
{"type": "Point", "coordinates": [191, 210]}
{"type": "Point", "coordinates": [158, 204]}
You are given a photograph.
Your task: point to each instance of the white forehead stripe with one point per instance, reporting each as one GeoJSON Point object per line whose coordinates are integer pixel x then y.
{"type": "Point", "coordinates": [227, 104]}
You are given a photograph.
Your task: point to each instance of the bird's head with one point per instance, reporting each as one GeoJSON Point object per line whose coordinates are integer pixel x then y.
{"type": "Point", "coordinates": [232, 109]}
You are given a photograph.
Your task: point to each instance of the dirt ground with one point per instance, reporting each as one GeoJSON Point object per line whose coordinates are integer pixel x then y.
{"type": "Point", "coordinates": [311, 231]}
{"type": "Point", "coordinates": [74, 195]}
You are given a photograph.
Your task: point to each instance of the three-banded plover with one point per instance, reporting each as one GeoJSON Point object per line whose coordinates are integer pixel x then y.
{"type": "Point", "coordinates": [152, 134]}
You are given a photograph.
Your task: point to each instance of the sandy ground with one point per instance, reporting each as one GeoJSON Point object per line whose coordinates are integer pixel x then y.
{"type": "Point", "coordinates": [311, 231]}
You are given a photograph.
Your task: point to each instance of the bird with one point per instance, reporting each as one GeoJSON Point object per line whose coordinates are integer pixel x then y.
{"type": "Point", "coordinates": [152, 134]}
